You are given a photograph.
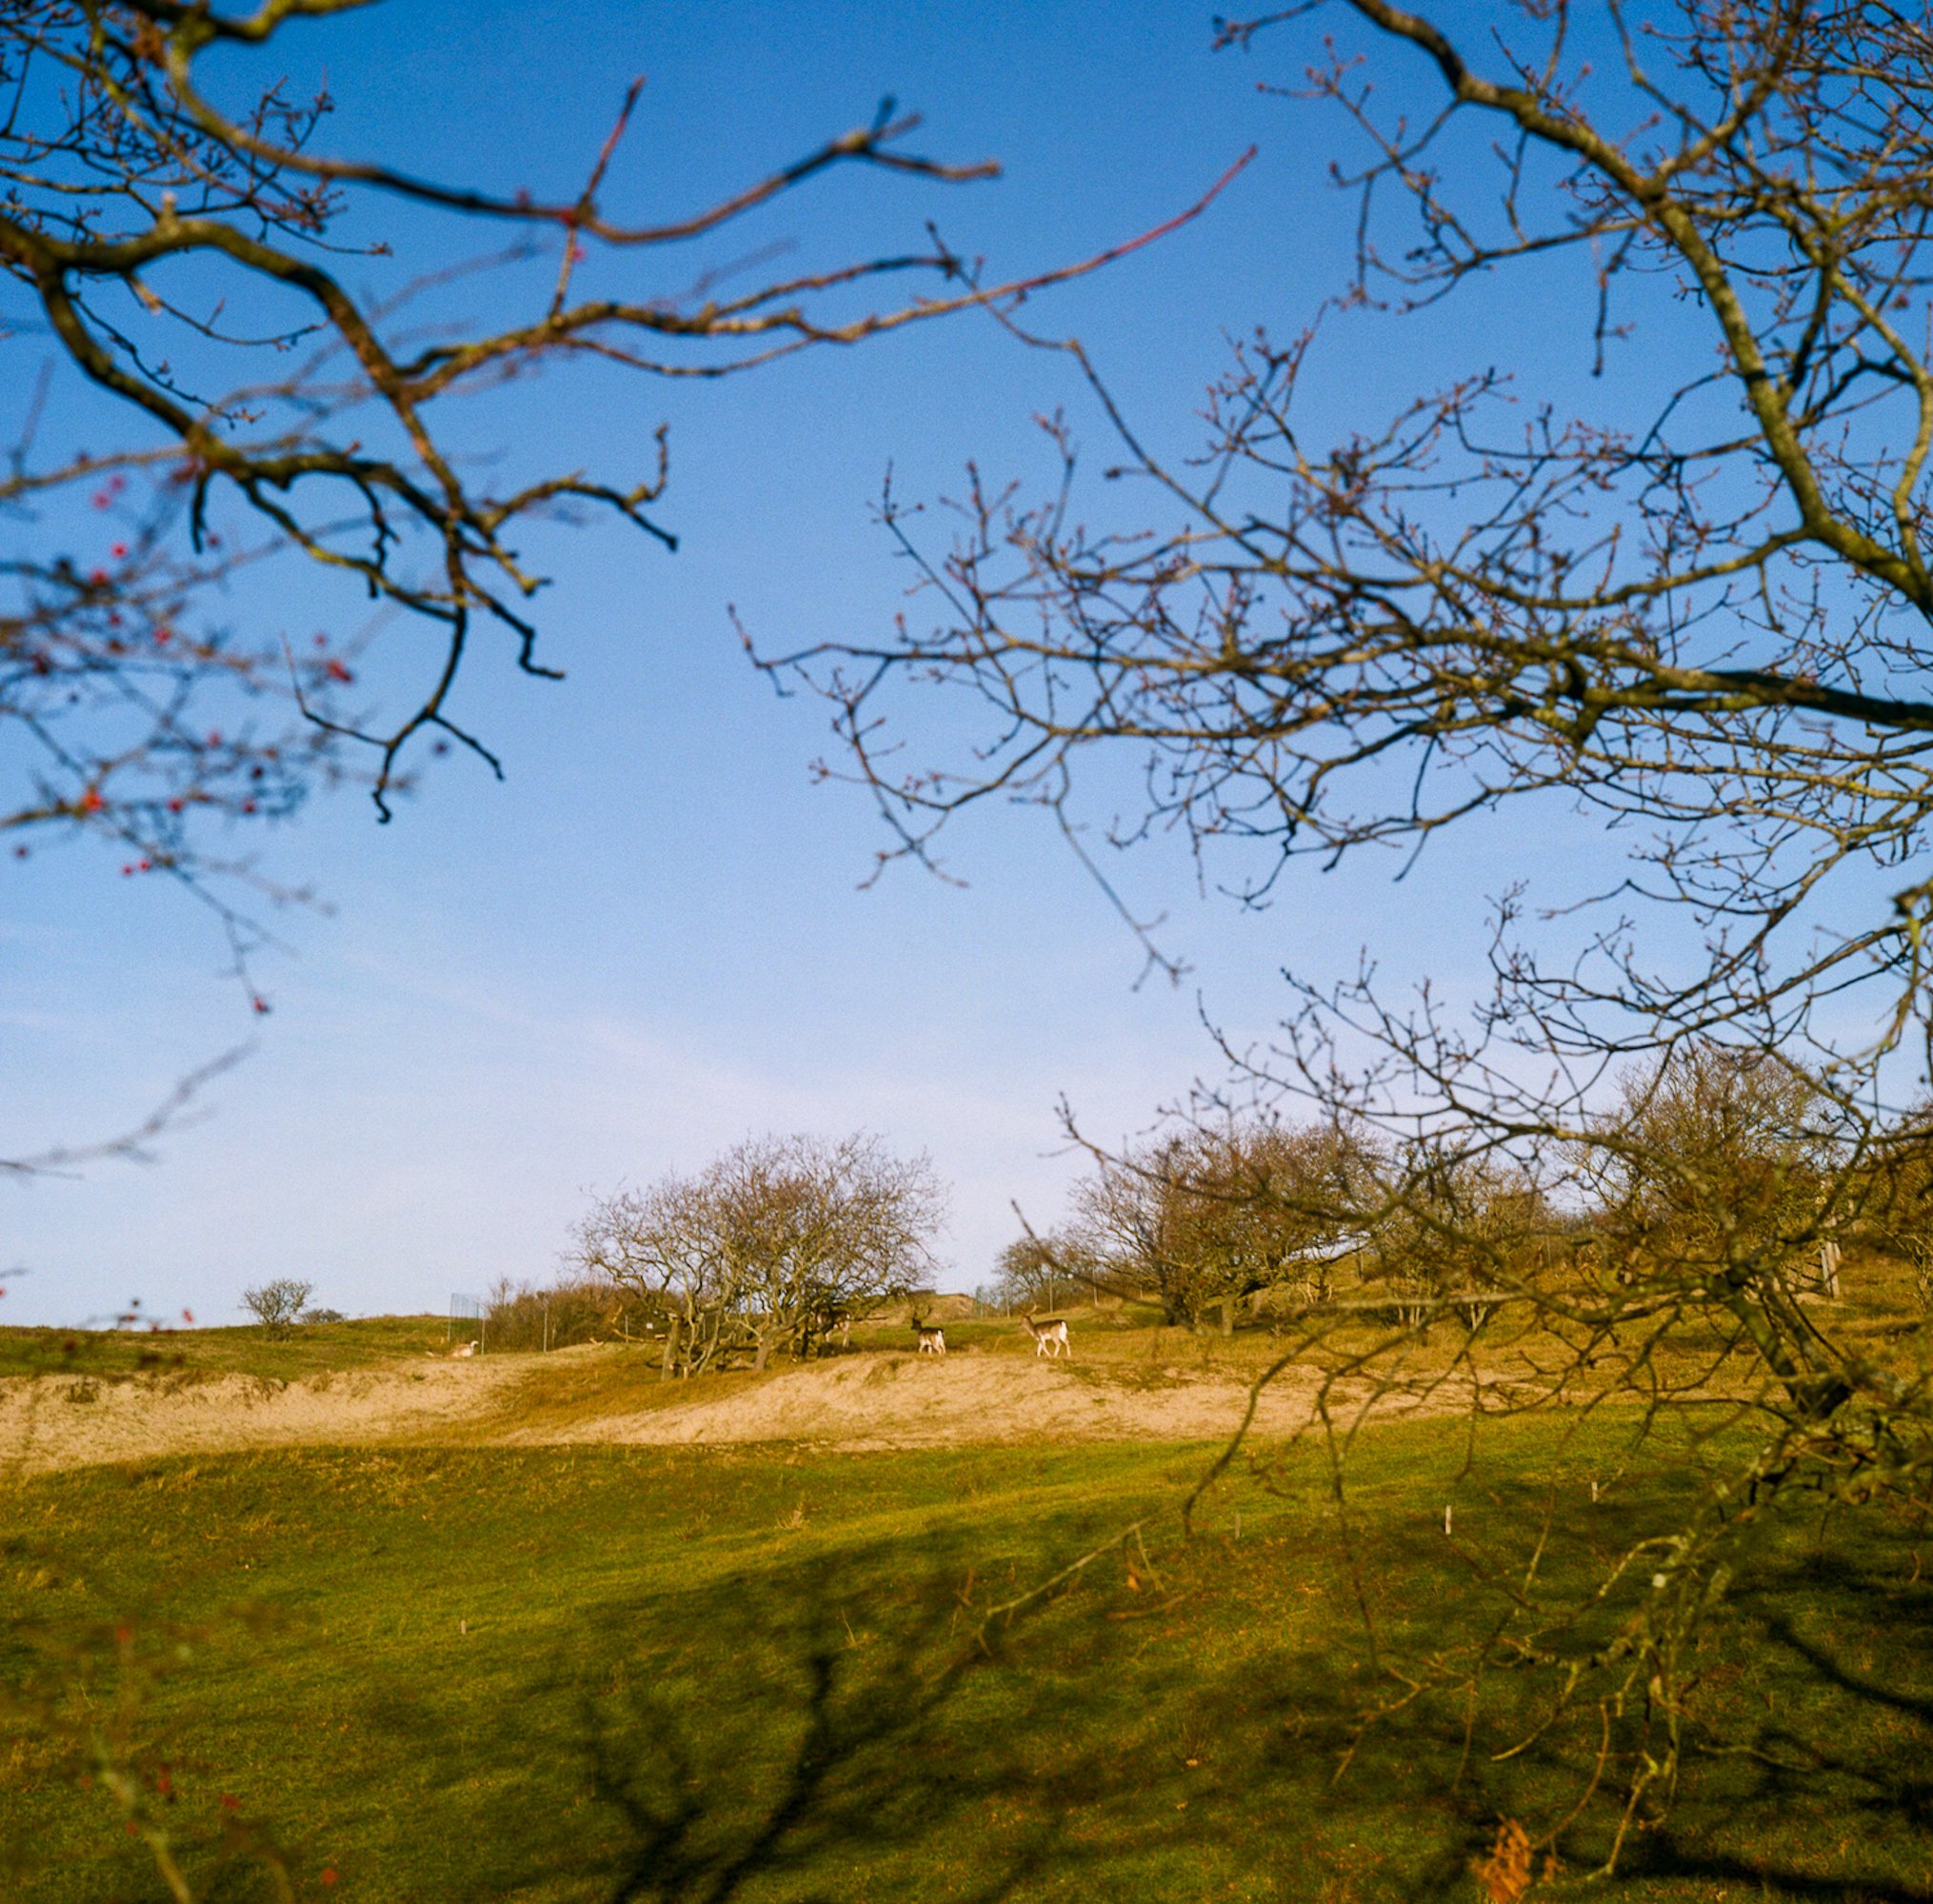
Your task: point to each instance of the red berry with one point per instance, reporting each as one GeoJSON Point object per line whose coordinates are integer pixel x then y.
{"type": "Point", "coordinates": [119, 550]}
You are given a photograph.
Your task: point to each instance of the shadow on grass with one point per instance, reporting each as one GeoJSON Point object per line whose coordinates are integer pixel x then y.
{"type": "Point", "coordinates": [1828, 1755]}
{"type": "Point", "coordinates": [821, 1732]}
{"type": "Point", "coordinates": [835, 1734]}
{"type": "Point", "coordinates": [786, 1774]}
{"type": "Point", "coordinates": [1809, 1760]}
{"type": "Point", "coordinates": [779, 1707]}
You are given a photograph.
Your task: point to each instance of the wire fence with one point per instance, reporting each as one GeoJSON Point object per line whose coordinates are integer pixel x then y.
{"type": "Point", "coordinates": [468, 1314]}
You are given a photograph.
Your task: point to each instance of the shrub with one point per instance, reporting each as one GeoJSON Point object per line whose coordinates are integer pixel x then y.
{"type": "Point", "coordinates": [582, 1311]}
{"type": "Point", "coordinates": [278, 1306]}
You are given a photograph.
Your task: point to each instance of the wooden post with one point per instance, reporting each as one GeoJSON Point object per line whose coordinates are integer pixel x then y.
{"type": "Point", "coordinates": [1829, 1268]}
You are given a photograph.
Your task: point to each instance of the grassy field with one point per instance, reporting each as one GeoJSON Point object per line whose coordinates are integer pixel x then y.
{"type": "Point", "coordinates": [110, 1354]}
{"type": "Point", "coordinates": [578, 1674]}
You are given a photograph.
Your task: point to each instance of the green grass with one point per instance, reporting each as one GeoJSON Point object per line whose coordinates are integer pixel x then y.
{"type": "Point", "coordinates": [308, 1349]}
{"type": "Point", "coordinates": [710, 1673]}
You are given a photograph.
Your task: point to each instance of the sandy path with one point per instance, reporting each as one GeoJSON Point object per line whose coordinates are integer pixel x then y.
{"type": "Point", "coordinates": [858, 1402]}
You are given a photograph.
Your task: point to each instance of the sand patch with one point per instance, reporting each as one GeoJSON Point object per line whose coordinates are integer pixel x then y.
{"type": "Point", "coordinates": [875, 1401]}
{"type": "Point", "coordinates": [67, 1422]}
{"type": "Point", "coordinates": [864, 1402]}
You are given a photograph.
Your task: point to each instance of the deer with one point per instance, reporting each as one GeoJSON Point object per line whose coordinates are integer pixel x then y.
{"type": "Point", "coordinates": [932, 1339]}
{"type": "Point", "coordinates": [831, 1321]}
{"type": "Point", "coordinates": [1050, 1339]}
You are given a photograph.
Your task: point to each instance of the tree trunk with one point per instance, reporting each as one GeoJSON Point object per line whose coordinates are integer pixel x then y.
{"type": "Point", "coordinates": [1227, 1314]}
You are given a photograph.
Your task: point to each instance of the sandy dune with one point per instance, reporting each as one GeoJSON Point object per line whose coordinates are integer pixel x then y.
{"type": "Point", "coordinates": [910, 1402]}
{"type": "Point", "coordinates": [44, 1423]}
{"type": "Point", "coordinates": [860, 1401]}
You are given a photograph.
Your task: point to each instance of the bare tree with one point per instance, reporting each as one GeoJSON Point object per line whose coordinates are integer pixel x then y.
{"type": "Point", "coordinates": [816, 1229]}
{"type": "Point", "coordinates": [199, 389]}
{"type": "Point", "coordinates": [1047, 1270]}
{"type": "Point", "coordinates": [769, 1244]}
{"type": "Point", "coordinates": [1714, 1155]}
{"type": "Point", "coordinates": [655, 1245]}
{"type": "Point", "coordinates": [278, 1306]}
{"type": "Point", "coordinates": [1204, 1216]}
{"type": "Point", "coordinates": [1455, 1224]}
{"type": "Point", "coordinates": [1894, 1200]}
{"type": "Point", "coordinates": [1689, 608]}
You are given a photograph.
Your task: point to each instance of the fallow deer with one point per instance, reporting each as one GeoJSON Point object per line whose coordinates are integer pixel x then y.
{"type": "Point", "coordinates": [932, 1339]}
{"type": "Point", "coordinates": [1050, 1339]}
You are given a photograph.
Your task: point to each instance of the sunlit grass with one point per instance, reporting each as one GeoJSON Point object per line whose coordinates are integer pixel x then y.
{"type": "Point", "coordinates": [593, 1671]}
{"type": "Point", "coordinates": [305, 1350]}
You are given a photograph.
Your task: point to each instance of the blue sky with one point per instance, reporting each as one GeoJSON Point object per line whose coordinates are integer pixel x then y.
{"type": "Point", "coordinates": [652, 939]}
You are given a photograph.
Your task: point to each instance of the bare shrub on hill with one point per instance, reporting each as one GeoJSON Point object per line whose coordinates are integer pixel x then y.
{"type": "Point", "coordinates": [1045, 1271]}
{"type": "Point", "coordinates": [1686, 604]}
{"type": "Point", "coordinates": [768, 1246]}
{"type": "Point", "coordinates": [1895, 1214]}
{"type": "Point", "coordinates": [278, 1305]}
{"type": "Point", "coordinates": [521, 1316]}
{"type": "Point", "coordinates": [1451, 1227]}
{"type": "Point", "coordinates": [1201, 1218]}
